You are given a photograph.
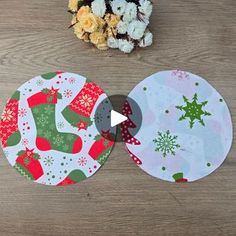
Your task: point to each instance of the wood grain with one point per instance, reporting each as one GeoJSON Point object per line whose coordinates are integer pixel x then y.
{"type": "Point", "coordinates": [195, 35]}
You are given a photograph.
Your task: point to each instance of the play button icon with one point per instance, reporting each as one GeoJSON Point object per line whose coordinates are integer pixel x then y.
{"type": "Point", "coordinates": [117, 118]}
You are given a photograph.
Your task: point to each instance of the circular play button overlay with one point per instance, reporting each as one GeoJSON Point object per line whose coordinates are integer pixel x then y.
{"type": "Point", "coordinates": [186, 132]}
{"type": "Point", "coordinates": [48, 132]}
{"type": "Point", "coordinates": [123, 116]}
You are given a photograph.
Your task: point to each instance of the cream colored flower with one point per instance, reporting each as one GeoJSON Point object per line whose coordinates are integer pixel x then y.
{"type": "Point", "coordinates": [85, 10]}
{"type": "Point", "coordinates": [101, 22]}
{"type": "Point", "coordinates": [80, 33]}
{"type": "Point", "coordinates": [102, 46]}
{"type": "Point", "coordinates": [111, 32]}
{"type": "Point", "coordinates": [112, 20]}
{"type": "Point", "coordinates": [99, 39]}
{"type": "Point", "coordinates": [89, 23]}
{"type": "Point", "coordinates": [73, 5]}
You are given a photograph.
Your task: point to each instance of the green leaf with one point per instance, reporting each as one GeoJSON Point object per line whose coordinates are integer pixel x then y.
{"type": "Point", "coordinates": [59, 96]}
{"type": "Point", "coordinates": [36, 156]}
{"type": "Point", "coordinates": [97, 137]}
{"type": "Point", "coordinates": [49, 76]}
{"type": "Point", "coordinates": [45, 90]}
{"type": "Point", "coordinates": [21, 153]}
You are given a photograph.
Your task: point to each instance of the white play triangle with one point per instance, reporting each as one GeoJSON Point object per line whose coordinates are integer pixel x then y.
{"type": "Point", "coordinates": [117, 118]}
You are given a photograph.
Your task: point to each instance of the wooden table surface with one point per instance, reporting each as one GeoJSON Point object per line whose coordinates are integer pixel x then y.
{"type": "Point", "coordinates": [195, 35]}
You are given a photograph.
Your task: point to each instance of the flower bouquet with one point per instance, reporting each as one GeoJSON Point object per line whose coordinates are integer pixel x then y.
{"type": "Point", "coordinates": [121, 24]}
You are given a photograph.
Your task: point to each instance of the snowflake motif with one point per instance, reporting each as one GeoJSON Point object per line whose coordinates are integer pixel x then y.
{"type": "Point", "coordinates": [86, 100]}
{"type": "Point", "coordinates": [82, 161]}
{"type": "Point", "coordinates": [47, 134]}
{"type": "Point", "coordinates": [7, 115]}
{"type": "Point", "coordinates": [98, 118]}
{"type": "Point", "coordinates": [58, 140]}
{"type": "Point", "coordinates": [48, 161]}
{"type": "Point", "coordinates": [67, 93]}
{"type": "Point", "coordinates": [71, 80]}
{"type": "Point", "coordinates": [22, 112]}
{"type": "Point", "coordinates": [166, 143]}
{"type": "Point", "coordinates": [193, 111]}
{"type": "Point", "coordinates": [180, 75]}
{"type": "Point", "coordinates": [25, 141]}
{"type": "Point", "coordinates": [49, 110]}
{"type": "Point", "coordinates": [60, 125]}
{"type": "Point", "coordinates": [65, 147]}
{"type": "Point", "coordinates": [42, 120]}
{"type": "Point", "coordinates": [39, 82]}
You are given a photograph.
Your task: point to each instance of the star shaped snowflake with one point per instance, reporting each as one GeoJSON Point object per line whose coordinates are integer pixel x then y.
{"type": "Point", "coordinates": [166, 143]}
{"type": "Point", "coordinates": [193, 111]}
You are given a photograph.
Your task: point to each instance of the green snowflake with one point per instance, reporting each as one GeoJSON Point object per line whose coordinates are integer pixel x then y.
{"type": "Point", "coordinates": [58, 140]}
{"type": "Point", "coordinates": [193, 110]}
{"type": "Point", "coordinates": [60, 125]}
{"type": "Point", "coordinates": [166, 143]}
{"type": "Point", "coordinates": [48, 161]}
{"type": "Point", "coordinates": [98, 118]}
{"type": "Point", "coordinates": [49, 110]}
{"type": "Point", "coordinates": [47, 134]}
{"type": "Point", "coordinates": [42, 120]}
{"type": "Point", "coordinates": [65, 147]}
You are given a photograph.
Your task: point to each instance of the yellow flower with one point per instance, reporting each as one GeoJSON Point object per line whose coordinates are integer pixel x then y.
{"type": "Point", "coordinates": [73, 5]}
{"type": "Point", "coordinates": [101, 22]}
{"type": "Point", "coordinates": [111, 32]}
{"type": "Point", "coordinates": [99, 39]}
{"type": "Point", "coordinates": [112, 20]}
{"type": "Point", "coordinates": [102, 46]}
{"type": "Point", "coordinates": [89, 23]}
{"type": "Point", "coordinates": [80, 33]}
{"type": "Point", "coordinates": [85, 10]}
{"type": "Point", "coordinates": [74, 20]}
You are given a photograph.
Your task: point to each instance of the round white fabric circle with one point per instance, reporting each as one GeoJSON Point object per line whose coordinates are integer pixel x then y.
{"type": "Point", "coordinates": [186, 131]}
{"type": "Point", "coordinates": [48, 131]}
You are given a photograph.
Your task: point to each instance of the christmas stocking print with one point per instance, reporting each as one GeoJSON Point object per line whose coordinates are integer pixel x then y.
{"type": "Point", "coordinates": [28, 165]}
{"type": "Point", "coordinates": [78, 112]}
{"type": "Point", "coordinates": [9, 132]}
{"type": "Point", "coordinates": [43, 106]}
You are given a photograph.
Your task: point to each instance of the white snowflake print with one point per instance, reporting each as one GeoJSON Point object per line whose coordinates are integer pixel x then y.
{"type": "Point", "coordinates": [71, 80]}
{"type": "Point", "coordinates": [7, 115]}
{"type": "Point", "coordinates": [22, 112]}
{"type": "Point", "coordinates": [67, 93]}
{"type": "Point", "coordinates": [25, 141]}
{"type": "Point", "coordinates": [86, 100]}
{"type": "Point", "coordinates": [82, 161]}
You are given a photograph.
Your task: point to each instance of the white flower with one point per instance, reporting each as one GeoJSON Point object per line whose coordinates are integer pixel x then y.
{"type": "Point", "coordinates": [98, 7]}
{"type": "Point", "coordinates": [118, 7]}
{"type": "Point", "coordinates": [112, 42]}
{"type": "Point", "coordinates": [145, 8]}
{"type": "Point", "coordinates": [122, 27]}
{"type": "Point", "coordinates": [146, 40]}
{"type": "Point", "coordinates": [125, 45]}
{"type": "Point", "coordinates": [136, 29]}
{"type": "Point", "coordinates": [130, 12]}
